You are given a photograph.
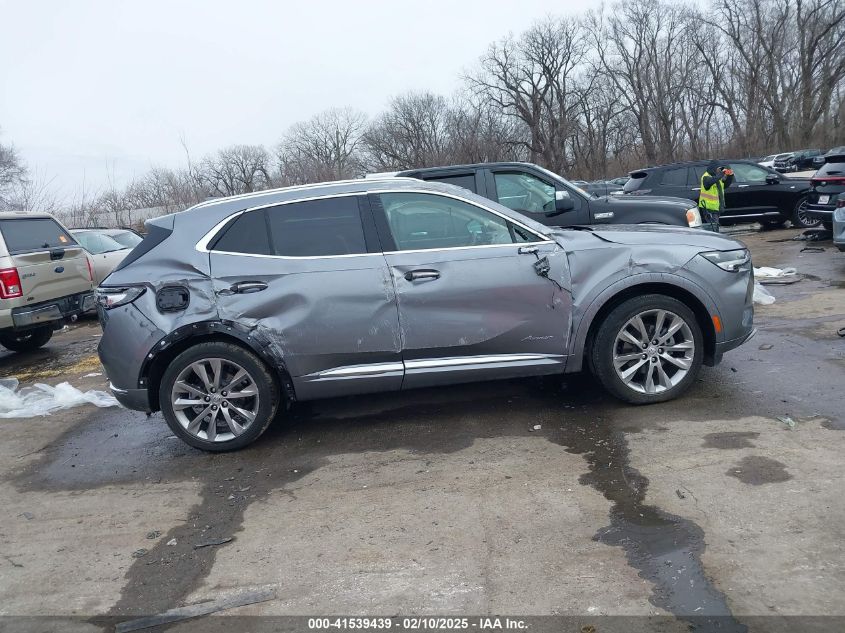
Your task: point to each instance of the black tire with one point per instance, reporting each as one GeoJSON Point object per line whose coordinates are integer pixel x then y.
{"type": "Point", "coordinates": [605, 342]}
{"type": "Point", "coordinates": [27, 341]}
{"type": "Point", "coordinates": [258, 372]}
{"type": "Point", "coordinates": [798, 219]}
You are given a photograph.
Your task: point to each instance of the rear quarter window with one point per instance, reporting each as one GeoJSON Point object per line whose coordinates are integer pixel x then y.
{"type": "Point", "coordinates": [23, 235]}
{"type": "Point", "coordinates": [674, 177]}
{"type": "Point", "coordinates": [635, 181]}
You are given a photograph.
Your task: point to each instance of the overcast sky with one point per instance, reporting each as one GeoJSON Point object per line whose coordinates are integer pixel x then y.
{"type": "Point", "coordinates": [105, 89]}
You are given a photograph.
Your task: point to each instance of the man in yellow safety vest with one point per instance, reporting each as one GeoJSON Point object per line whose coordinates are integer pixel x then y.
{"type": "Point", "coordinates": [711, 197]}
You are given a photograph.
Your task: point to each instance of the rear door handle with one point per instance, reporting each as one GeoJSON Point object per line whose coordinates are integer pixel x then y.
{"type": "Point", "coordinates": [416, 275]}
{"type": "Point", "coordinates": [243, 288]}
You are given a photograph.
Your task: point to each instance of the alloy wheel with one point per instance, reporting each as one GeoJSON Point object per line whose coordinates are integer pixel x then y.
{"type": "Point", "coordinates": [801, 212]}
{"type": "Point", "coordinates": [653, 351]}
{"type": "Point", "coordinates": [214, 399]}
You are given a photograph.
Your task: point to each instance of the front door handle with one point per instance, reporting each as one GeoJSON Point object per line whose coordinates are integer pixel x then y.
{"type": "Point", "coordinates": [243, 288]}
{"type": "Point", "coordinates": [416, 275]}
{"type": "Point", "coordinates": [741, 186]}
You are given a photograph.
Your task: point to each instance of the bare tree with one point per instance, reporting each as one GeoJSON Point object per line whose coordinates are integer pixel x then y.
{"type": "Point", "coordinates": [236, 169]}
{"type": "Point", "coordinates": [411, 133]}
{"type": "Point", "coordinates": [326, 147]}
{"type": "Point", "coordinates": [532, 79]}
{"type": "Point", "coordinates": [12, 174]}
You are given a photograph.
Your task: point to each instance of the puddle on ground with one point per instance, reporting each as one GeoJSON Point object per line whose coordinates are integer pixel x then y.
{"type": "Point", "coordinates": [756, 470]}
{"type": "Point", "coordinates": [730, 440]}
{"type": "Point", "coordinates": [124, 447]}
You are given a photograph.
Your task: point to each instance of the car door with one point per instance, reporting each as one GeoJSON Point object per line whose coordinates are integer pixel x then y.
{"type": "Point", "coordinates": [309, 281]}
{"type": "Point", "coordinates": [472, 304]}
{"type": "Point", "coordinates": [534, 197]}
{"type": "Point", "coordinates": [750, 193]}
{"type": "Point", "coordinates": [674, 181]}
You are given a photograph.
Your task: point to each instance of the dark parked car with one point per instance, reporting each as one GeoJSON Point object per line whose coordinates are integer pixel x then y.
{"type": "Point", "coordinates": [237, 305]}
{"type": "Point", "coordinates": [801, 160]}
{"type": "Point", "coordinates": [601, 188]}
{"type": "Point", "coordinates": [828, 190]}
{"type": "Point", "coordinates": [551, 200]}
{"type": "Point", "coordinates": [758, 194]}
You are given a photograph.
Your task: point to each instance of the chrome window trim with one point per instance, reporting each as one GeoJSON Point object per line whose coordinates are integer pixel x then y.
{"type": "Point", "coordinates": [295, 188]}
{"type": "Point", "coordinates": [202, 244]}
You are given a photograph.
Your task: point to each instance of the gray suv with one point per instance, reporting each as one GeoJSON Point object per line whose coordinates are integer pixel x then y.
{"type": "Point", "coordinates": [234, 306]}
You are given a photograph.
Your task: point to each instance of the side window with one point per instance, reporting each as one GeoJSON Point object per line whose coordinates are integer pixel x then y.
{"type": "Point", "coordinates": [317, 228]}
{"type": "Point", "coordinates": [314, 228]}
{"type": "Point", "coordinates": [674, 177]}
{"type": "Point", "coordinates": [695, 174]}
{"type": "Point", "coordinates": [467, 181]}
{"type": "Point", "coordinates": [524, 192]}
{"type": "Point", "coordinates": [422, 221]}
{"type": "Point", "coordinates": [744, 172]}
{"type": "Point", "coordinates": [247, 234]}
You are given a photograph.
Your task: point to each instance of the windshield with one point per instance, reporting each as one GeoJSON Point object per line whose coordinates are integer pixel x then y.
{"type": "Point", "coordinates": [96, 243]}
{"type": "Point", "coordinates": [559, 178]}
{"type": "Point", "coordinates": [768, 158]}
{"type": "Point", "coordinates": [127, 238]}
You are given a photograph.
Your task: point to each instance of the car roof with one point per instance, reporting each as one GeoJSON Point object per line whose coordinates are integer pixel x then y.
{"type": "Point", "coordinates": [11, 215]}
{"type": "Point", "coordinates": [205, 215]}
{"type": "Point", "coordinates": [690, 163]}
{"type": "Point", "coordinates": [464, 167]}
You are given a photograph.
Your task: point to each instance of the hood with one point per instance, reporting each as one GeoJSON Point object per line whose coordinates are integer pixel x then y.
{"type": "Point", "coordinates": [657, 235]}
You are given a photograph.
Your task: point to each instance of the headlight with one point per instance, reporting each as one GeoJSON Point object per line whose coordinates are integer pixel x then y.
{"type": "Point", "coordinates": [113, 297]}
{"type": "Point", "coordinates": [693, 217]}
{"type": "Point", "coordinates": [731, 261]}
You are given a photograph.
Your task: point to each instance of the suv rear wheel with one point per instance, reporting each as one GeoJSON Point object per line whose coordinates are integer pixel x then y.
{"type": "Point", "coordinates": [648, 349]}
{"type": "Point", "coordinates": [27, 341]}
{"type": "Point", "coordinates": [218, 396]}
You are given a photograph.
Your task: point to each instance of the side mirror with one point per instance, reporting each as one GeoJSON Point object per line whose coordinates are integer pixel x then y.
{"type": "Point", "coordinates": [771, 179]}
{"type": "Point", "coordinates": [563, 203]}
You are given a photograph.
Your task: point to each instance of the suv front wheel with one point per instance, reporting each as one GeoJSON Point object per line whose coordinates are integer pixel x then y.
{"type": "Point", "coordinates": [28, 340]}
{"type": "Point", "coordinates": [218, 396]}
{"type": "Point", "coordinates": [648, 349]}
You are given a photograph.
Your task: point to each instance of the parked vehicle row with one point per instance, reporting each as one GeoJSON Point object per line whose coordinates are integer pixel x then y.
{"type": "Point", "coordinates": [758, 194]}
{"type": "Point", "coordinates": [801, 160]}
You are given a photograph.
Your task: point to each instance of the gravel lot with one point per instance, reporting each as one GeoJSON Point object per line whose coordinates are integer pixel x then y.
{"type": "Point", "coordinates": [448, 501]}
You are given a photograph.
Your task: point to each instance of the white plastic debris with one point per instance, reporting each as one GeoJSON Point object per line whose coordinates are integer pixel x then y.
{"type": "Point", "coordinates": [764, 272]}
{"type": "Point", "coordinates": [761, 295]}
{"type": "Point", "coordinates": [41, 399]}
{"type": "Point", "coordinates": [93, 374]}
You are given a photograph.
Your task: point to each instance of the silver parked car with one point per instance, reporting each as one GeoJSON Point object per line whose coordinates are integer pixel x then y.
{"type": "Point", "coordinates": [236, 305]}
{"type": "Point", "coordinates": [105, 251]}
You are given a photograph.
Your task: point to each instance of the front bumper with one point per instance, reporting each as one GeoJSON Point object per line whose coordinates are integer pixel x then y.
{"type": "Point", "coordinates": [54, 311]}
{"type": "Point", "coordinates": [726, 346]}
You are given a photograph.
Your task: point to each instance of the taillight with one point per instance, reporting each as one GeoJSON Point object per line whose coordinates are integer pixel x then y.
{"type": "Point", "coordinates": [90, 269]}
{"type": "Point", "coordinates": [10, 284]}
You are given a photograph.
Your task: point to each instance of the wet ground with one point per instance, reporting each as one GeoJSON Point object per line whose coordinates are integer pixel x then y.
{"type": "Point", "coordinates": [723, 508]}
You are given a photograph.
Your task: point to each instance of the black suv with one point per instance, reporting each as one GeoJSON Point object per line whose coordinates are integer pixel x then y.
{"type": "Point", "coordinates": [828, 189]}
{"type": "Point", "coordinates": [551, 200]}
{"type": "Point", "coordinates": [802, 160]}
{"type": "Point", "coordinates": [758, 194]}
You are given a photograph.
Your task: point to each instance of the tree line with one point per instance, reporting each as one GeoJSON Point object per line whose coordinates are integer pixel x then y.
{"type": "Point", "coordinates": [634, 83]}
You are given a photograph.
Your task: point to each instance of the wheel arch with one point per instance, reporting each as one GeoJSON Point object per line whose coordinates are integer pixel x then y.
{"type": "Point", "coordinates": [185, 337]}
{"type": "Point", "coordinates": [691, 295]}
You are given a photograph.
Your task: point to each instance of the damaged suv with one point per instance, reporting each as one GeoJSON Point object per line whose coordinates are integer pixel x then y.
{"type": "Point", "coordinates": [231, 308]}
